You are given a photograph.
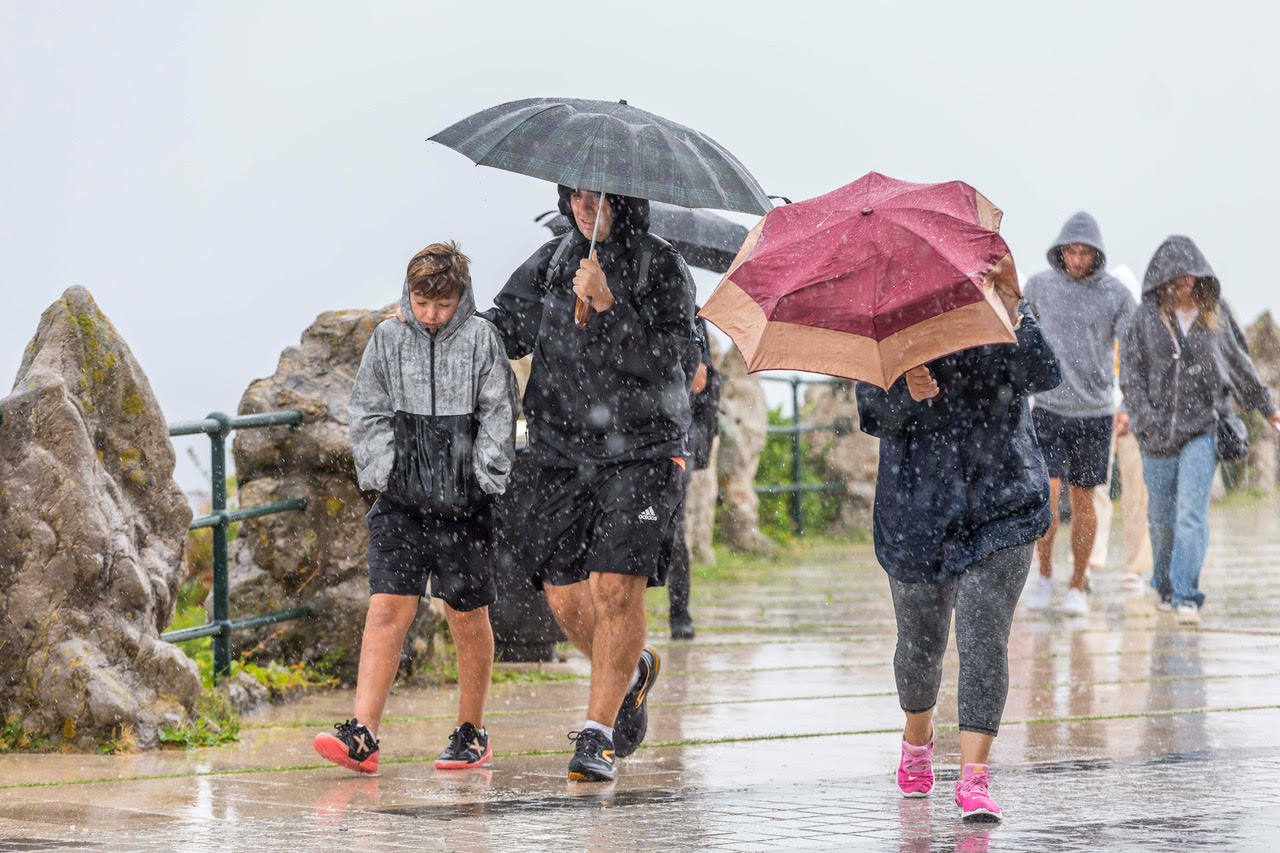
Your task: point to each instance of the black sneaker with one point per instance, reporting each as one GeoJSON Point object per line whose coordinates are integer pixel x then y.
{"type": "Point", "coordinates": [592, 756]}
{"type": "Point", "coordinates": [681, 626]}
{"type": "Point", "coordinates": [633, 717]}
{"type": "Point", "coordinates": [353, 747]}
{"type": "Point", "coordinates": [468, 747]}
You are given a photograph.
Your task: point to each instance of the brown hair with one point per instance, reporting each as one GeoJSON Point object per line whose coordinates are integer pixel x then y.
{"type": "Point", "coordinates": [439, 270]}
{"type": "Point", "coordinates": [1204, 294]}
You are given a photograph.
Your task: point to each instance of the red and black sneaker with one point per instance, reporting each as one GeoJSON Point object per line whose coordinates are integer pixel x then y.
{"type": "Point", "coordinates": [353, 747]}
{"type": "Point", "coordinates": [468, 747]}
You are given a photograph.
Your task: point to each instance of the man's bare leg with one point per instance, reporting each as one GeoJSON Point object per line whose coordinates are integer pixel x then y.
{"type": "Point", "coordinates": [1044, 547]}
{"type": "Point", "coordinates": [572, 606]}
{"type": "Point", "coordinates": [1084, 528]}
{"type": "Point", "coordinates": [385, 625]}
{"type": "Point", "coordinates": [473, 639]}
{"type": "Point", "coordinates": [620, 621]}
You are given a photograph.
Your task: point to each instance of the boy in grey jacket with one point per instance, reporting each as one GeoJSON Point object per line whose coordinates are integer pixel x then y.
{"type": "Point", "coordinates": [1082, 312]}
{"type": "Point", "coordinates": [433, 431]}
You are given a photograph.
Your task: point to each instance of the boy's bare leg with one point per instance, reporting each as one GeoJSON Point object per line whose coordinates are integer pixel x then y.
{"type": "Point", "coordinates": [1084, 528]}
{"type": "Point", "coordinates": [385, 625]}
{"type": "Point", "coordinates": [573, 608]}
{"type": "Point", "coordinates": [617, 642]}
{"type": "Point", "coordinates": [1044, 547]}
{"type": "Point", "coordinates": [473, 639]}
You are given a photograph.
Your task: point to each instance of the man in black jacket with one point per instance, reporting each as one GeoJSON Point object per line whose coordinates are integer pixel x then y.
{"type": "Point", "coordinates": [608, 412]}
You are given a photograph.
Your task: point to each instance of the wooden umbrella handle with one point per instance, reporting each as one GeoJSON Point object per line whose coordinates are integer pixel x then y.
{"type": "Point", "coordinates": [581, 313]}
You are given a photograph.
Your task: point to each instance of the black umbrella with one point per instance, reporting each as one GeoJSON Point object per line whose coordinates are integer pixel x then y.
{"type": "Point", "coordinates": [607, 147]}
{"type": "Point", "coordinates": [704, 239]}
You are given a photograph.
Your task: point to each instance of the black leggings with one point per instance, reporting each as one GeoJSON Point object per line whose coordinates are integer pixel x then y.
{"type": "Point", "coordinates": [983, 597]}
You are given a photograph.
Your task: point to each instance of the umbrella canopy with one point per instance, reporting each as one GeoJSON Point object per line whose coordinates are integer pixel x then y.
{"type": "Point", "coordinates": [605, 146]}
{"type": "Point", "coordinates": [868, 281]}
{"type": "Point", "coordinates": [702, 238]}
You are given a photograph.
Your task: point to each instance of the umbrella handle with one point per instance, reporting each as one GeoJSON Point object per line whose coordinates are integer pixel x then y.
{"type": "Point", "coordinates": [582, 308]}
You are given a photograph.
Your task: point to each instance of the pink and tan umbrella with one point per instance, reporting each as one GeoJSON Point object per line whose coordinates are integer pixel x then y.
{"type": "Point", "coordinates": [868, 281]}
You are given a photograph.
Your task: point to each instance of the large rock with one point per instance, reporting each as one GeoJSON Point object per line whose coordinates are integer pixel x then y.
{"type": "Point", "coordinates": [1264, 346]}
{"type": "Point", "coordinates": [92, 528]}
{"type": "Point", "coordinates": [700, 510]}
{"type": "Point", "coordinates": [849, 455]}
{"type": "Point", "coordinates": [744, 422]}
{"type": "Point", "coordinates": [318, 557]}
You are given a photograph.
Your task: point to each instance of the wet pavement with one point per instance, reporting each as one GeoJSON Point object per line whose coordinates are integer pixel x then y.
{"type": "Point", "coordinates": [776, 728]}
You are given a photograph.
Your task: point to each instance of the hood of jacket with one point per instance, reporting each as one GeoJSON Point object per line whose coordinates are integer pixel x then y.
{"type": "Point", "coordinates": [1080, 228]}
{"type": "Point", "coordinates": [1178, 255]}
{"type": "Point", "coordinates": [630, 215]}
{"type": "Point", "coordinates": [466, 307]}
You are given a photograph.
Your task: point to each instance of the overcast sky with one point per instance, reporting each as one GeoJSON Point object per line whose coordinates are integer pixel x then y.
{"type": "Point", "coordinates": [219, 174]}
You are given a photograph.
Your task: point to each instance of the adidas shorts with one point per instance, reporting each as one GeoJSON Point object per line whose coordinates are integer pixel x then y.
{"type": "Point", "coordinates": [603, 518]}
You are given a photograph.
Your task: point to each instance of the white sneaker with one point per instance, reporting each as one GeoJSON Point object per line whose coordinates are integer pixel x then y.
{"type": "Point", "coordinates": [1075, 604]}
{"type": "Point", "coordinates": [1038, 593]}
{"type": "Point", "coordinates": [1132, 583]}
{"type": "Point", "coordinates": [1188, 614]}
{"type": "Point", "coordinates": [1164, 606]}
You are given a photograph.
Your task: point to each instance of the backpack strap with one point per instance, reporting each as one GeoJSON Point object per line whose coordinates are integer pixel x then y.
{"type": "Point", "coordinates": [556, 257]}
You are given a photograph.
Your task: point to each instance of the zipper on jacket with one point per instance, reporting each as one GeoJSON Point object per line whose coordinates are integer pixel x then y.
{"type": "Point", "coordinates": [433, 374]}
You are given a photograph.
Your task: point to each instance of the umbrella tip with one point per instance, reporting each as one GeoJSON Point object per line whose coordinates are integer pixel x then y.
{"type": "Point", "coordinates": [866, 211]}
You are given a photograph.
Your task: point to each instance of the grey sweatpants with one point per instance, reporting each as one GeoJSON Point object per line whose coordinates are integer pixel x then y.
{"type": "Point", "coordinates": [983, 597]}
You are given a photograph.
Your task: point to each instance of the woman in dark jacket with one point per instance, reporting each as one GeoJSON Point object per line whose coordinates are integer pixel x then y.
{"type": "Point", "coordinates": [1182, 358]}
{"type": "Point", "coordinates": [961, 497]}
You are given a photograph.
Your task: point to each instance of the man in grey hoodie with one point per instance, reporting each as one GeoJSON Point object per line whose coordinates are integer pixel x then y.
{"type": "Point", "coordinates": [1082, 312]}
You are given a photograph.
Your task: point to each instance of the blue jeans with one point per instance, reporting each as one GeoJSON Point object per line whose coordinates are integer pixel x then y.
{"type": "Point", "coordinates": [1178, 517]}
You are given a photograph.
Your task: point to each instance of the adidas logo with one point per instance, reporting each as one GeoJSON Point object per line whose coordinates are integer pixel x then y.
{"type": "Point", "coordinates": [648, 514]}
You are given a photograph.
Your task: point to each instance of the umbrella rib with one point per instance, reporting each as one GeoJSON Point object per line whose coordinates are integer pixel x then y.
{"type": "Point", "coordinates": [503, 138]}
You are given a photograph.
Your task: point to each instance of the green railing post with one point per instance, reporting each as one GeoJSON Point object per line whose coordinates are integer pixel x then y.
{"type": "Point", "coordinates": [221, 583]}
{"type": "Point", "coordinates": [797, 472]}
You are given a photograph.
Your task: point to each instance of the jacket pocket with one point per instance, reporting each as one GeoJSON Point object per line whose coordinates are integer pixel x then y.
{"type": "Point", "coordinates": [433, 468]}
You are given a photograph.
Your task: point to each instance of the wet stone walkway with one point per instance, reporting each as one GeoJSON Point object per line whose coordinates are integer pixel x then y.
{"type": "Point", "coordinates": [777, 728]}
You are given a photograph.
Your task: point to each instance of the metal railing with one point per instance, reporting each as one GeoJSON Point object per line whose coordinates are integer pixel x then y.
{"type": "Point", "coordinates": [797, 487]}
{"type": "Point", "coordinates": [218, 426]}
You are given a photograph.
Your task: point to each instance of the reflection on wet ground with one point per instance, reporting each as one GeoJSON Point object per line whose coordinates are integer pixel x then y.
{"type": "Point", "coordinates": [776, 728]}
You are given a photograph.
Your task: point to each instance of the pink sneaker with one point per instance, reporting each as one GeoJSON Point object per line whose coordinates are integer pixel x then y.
{"type": "Point", "coordinates": [976, 805]}
{"type": "Point", "coordinates": [915, 770]}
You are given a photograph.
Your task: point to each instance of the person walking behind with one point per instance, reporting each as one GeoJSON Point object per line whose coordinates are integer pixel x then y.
{"type": "Point", "coordinates": [704, 402]}
{"type": "Point", "coordinates": [1082, 311]}
{"type": "Point", "coordinates": [608, 413]}
{"type": "Point", "coordinates": [432, 419]}
{"type": "Point", "coordinates": [1182, 359]}
{"type": "Point", "coordinates": [962, 494]}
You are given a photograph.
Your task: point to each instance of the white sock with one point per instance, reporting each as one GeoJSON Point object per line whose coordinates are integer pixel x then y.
{"type": "Point", "coordinates": [600, 727]}
{"type": "Point", "coordinates": [635, 677]}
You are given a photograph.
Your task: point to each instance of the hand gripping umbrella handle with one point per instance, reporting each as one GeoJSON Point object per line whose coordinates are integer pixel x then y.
{"type": "Point", "coordinates": [582, 308]}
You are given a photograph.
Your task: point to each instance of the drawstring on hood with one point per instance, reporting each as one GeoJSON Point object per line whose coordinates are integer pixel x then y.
{"type": "Point", "coordinates": [1176, 256]}
{"type": "Point", "coordinates": [1080, 228]}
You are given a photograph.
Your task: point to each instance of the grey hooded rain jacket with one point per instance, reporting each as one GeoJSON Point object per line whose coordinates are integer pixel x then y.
{"type": "Point", "coordinates": [1175, 393]}
{"type": "Point", "coordinates": [433, 416]}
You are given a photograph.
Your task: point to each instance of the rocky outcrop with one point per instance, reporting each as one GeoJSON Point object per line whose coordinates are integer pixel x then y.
{"type": "Point", "coordinates": [744, 418]}
{"type": "Point", "coordinates": [318, 557]}
{"type": "Point", "coordinates": [92, 528]}
{"type": "Point", "coordinates": [700, 510]}
{"type": "Point", "coordinates": [848, 455]}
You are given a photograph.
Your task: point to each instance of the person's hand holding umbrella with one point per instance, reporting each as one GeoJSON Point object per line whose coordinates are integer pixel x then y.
{"type": "Point", "coordinates": [591, 286]}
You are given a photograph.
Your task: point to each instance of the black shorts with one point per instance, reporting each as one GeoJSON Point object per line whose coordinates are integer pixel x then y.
{"type": "Point", "coordinates": [407, 546]}
{"type": "Point", "coordinates": [1077, 450]}
{"type": "Point", "coordinates": [606, 518]}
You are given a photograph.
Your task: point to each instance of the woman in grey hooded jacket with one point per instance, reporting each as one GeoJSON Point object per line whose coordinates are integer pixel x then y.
{"type": "Point", "coordinates": [1182, 359]}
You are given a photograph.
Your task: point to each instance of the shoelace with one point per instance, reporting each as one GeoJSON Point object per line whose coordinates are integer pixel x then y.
{"type": "Point", "coordinates": [587, 735]}
{"type": "Point", "coordinates": [917, 765]}
{"type": "Point", "coordinates": [975, 784]}
{"type": "Point", "coordinates": [347, 732]}
{"type": "Point", "coordinates": [460, 741]}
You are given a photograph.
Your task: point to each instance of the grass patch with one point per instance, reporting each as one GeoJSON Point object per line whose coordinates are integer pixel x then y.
{"type": "Point", "coordinates": [215, 723]}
